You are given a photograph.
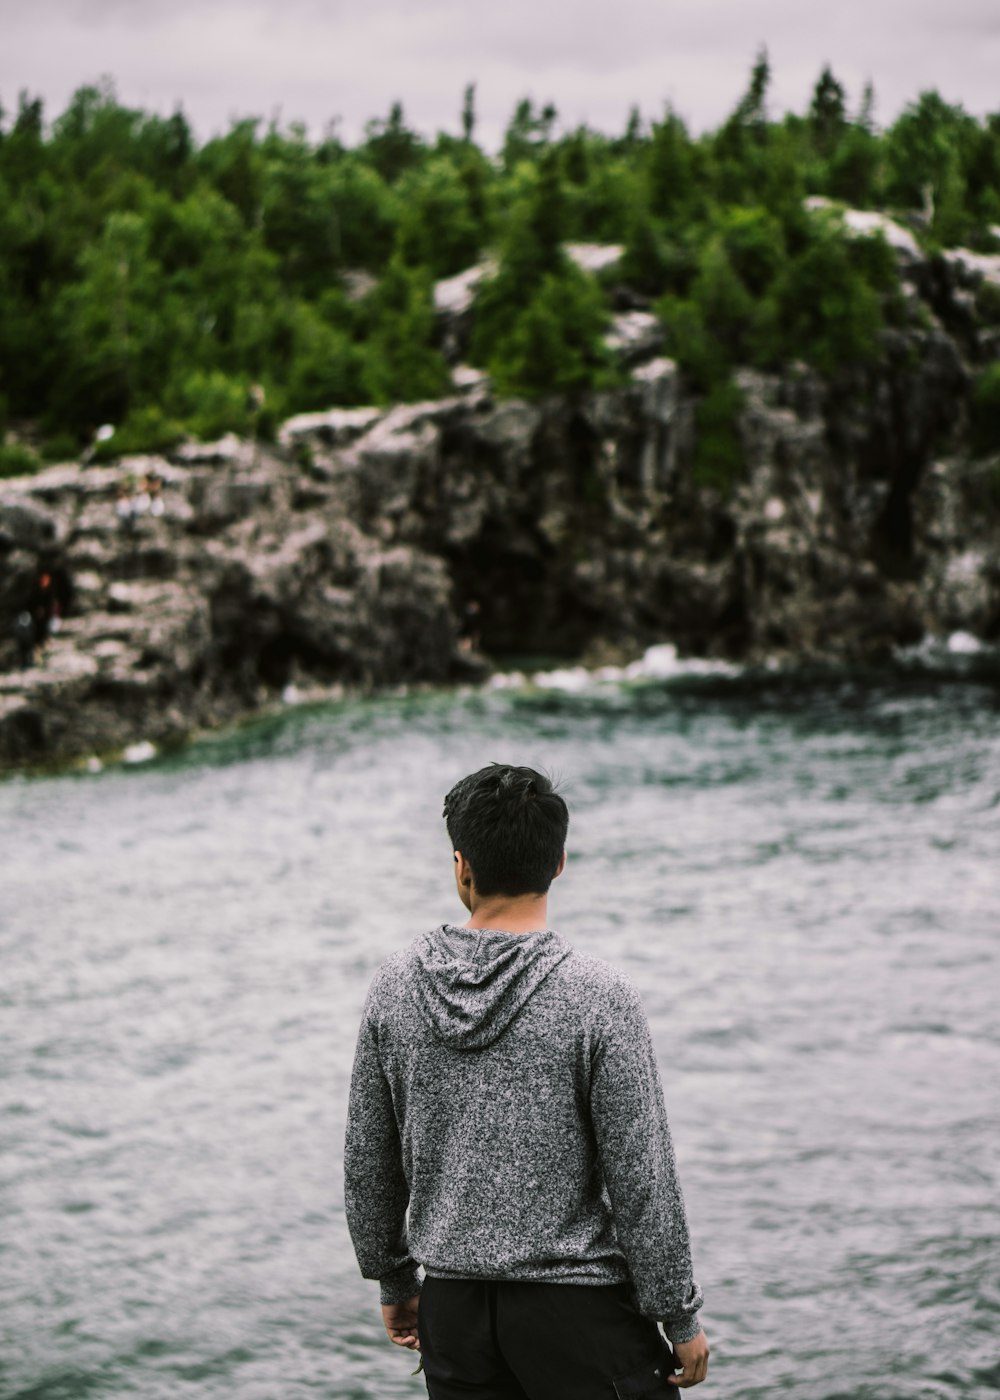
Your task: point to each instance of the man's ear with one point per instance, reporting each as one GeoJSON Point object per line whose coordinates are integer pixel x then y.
{"type": "Point", "coordinates": [463, 871]}
{"type": "Point", "coordinates": [561, 866]}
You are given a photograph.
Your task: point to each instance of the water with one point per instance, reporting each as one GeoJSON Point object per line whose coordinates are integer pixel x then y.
{"type": "Point", "coordinates": [803, 881]}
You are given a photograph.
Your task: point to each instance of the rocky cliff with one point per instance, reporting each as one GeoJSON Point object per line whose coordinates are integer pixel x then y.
{"type": "Point", "coordinates": [420, 543]}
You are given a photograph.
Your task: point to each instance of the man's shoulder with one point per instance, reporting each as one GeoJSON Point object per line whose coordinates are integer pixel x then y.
{"type": "Point", "coordinates": [595, 976]}
{"type": "Point", "coordinates": [392, 970]}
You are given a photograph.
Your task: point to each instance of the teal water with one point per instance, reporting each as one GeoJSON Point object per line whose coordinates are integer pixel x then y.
{"type": "Point", "coordinates": [803, 880]}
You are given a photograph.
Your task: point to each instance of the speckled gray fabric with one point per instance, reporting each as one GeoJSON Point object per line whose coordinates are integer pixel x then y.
{"type": "Point", "coordinates": [505, 1090]}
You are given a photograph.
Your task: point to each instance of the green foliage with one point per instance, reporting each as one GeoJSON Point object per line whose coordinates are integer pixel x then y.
{"type": "Point", "coordinates": [824, 306]}
{"type": "Point", "coordinates": [670, 168]}
{"type": "Point", "coordinates": [528, 133]}
{"type": "Point", "coordinates": [401, 362]}
{"type": "Point", "coordinates": [767, 292]}
{"type": "Point", "coordinates": [928, 150]}
{"type": "Point", "coordinates": [988, 302]}
{"type": "Point", "coordinates": [854, 168]}
{"type": "Point", "coordinates": [213, 403]}
{"type": "Point", "coordinates": [707, 331]}
{"type": "Point", "coordinates": [61, 447]}
{"type": "Point", "coordinates": [17, 460]}
{"type": "Point", "coordinates": [539, 323]}
{"type": "Point", "coordinates": [139, 269]}
{"type": "Point", "coordinates": [109, 324]}
{"type": "Point", "coordinates": [827, 112]}
{"type": "Point", "coordinates": [754, 243]}
{"type": "Point", "coordinates": [554, 343]}
{"type": "Point", "coordinates": [327, 365]}
{"type": "Point", "coordinates": [718, 453]}
{"type": "Point", "coordinates": [469, 113]}
{"type": "Point", "coordinates": [986, 410]}
{"type": "Point", "coordinates": [438, 227]}
{"type": "Point", "coordinates": [390, 146]}
{"type": "Point", "coordinates": [652, 262]}
{"type": "Point", "coordinates": [146, 429]}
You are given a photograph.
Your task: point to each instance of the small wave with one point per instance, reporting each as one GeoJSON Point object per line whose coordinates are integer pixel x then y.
{"type": "Point", "coordinates": [958, 656]}
{"type": "Point", "coordinates": [658, 663]}
{"type": "Point", "coordinates": [141, 752]}
{"type": "Point", "coordinates": [958, 653]}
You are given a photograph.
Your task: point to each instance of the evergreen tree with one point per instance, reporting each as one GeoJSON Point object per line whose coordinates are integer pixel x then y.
{"type": "Point", "coordinates": [827, 112]}
{"type": "Point", "coordinates": [469, 113]}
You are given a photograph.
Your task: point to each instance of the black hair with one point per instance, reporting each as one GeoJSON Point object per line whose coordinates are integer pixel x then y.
{"type": "Point", "coordinates": [510, 824]}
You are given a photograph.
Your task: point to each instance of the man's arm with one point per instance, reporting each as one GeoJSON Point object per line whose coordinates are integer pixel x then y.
{"type": "Point", "coordinates": [375, 1190]}
{"type": "Point", "coordinates": [637, 1158]}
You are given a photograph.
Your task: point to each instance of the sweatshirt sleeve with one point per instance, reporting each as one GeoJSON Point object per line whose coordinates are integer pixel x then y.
{"type": "Point", "coordinates": [376, 1193]}
{"type": "Point", "coordinates": [637, 1158]}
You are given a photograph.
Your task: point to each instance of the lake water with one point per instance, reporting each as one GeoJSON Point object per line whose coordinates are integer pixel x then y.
{"type": "Point", "coordinates": [803, 879]}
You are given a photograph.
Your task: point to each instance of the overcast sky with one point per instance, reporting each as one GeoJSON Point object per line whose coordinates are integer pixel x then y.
{"type": "Point", "coordinates": [317, 60]}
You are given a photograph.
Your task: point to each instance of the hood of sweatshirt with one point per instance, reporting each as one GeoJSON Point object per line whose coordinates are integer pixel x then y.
{"type": "Point", "coordinates": [471, 983]}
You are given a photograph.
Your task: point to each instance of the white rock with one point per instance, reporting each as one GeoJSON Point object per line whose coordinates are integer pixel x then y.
{"type": "Point", "coordinates": [454, 295]}
{"type": "Point", "coordinates": [140, 753]}
{"type": "Point", "coordinates": [335, 425]}
{"type": "Point", "coordinates": [986, 265]}
{"type": "Point", "coordinates": [634, 334]}
{"type": "Point", "coordinates": [467, 379]}
{"type": "Point", "coordinates": [964, 644]}
{"type": "Point", "coordinates": [864, 222]}
{"type": "Point", "coordinates": [595, 257]}
{"type": "Point", "coordinates": [659, 369]}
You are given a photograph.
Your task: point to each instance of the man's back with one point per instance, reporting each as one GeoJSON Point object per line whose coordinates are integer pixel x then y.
{"type": "Point", "coordinates": [506, 1131]}
{"type": "Point", "coordinates": [522, 1083]}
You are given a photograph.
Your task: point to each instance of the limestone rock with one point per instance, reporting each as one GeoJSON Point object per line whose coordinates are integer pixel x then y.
{"type": "Point", "coordinates": [378, 546]}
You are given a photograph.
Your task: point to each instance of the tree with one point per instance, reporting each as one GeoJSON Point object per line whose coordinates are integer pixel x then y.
{"type": "Point", "coordinates": [739, 146]}
{"type": "Point", "coordinates": [924, 155]}
{"type": "Point", "coordinates": [520, 334]}
{"type": "Point", "coordinates": [438, 228]}
{"type": "Point", "coordinates": [669, 166]}
{"type": "Point", "coordinates": [527, 133]}
{"type": "Point", "coordinates": [751, 110]}
{"type": "Point", "coordinates": [401, 361]}
{"type": "Point", "coordinates": [111, 328]}
{"type": "Point", "coordinates": [827, 112]}
{"type": "Point", "coordinates": [390, 146]}
{"type": "Point", "coordinates": [235, 166]}
{"type": "Point", "coordinates": [555, 341]}
{"type": "Point", "coordinates": [469, 113]}
{"type": "Point", "coordinates": [327, 366]}
{"type": "Point", "coordinates": [825, 304]}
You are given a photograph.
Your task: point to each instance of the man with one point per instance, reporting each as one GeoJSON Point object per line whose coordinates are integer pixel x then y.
{"type": "Point", "coordinates": [505, 1092]}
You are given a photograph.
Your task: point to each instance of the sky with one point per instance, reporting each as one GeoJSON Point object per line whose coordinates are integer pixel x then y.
{"type": "Point", "coordinates": [320, 61]}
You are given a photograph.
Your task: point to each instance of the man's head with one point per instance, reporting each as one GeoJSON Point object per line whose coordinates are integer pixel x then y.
{"type": "Point", "coordinates": [510, 826]}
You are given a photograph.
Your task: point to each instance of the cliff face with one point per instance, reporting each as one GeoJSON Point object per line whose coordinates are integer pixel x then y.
{"type": "Point", "coordinates": [374, 548]}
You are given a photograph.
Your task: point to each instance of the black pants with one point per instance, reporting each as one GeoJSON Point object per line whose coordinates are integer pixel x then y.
{"type": "Point", "coordinates": [538, 1341]}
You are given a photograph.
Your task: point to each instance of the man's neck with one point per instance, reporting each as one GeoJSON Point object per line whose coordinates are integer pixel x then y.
{"type": "Point", "coordinates": [523, 914]}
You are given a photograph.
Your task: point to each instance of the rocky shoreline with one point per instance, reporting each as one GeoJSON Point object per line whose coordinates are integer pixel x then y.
{"type": "Point", "coordinates": [421, 543]}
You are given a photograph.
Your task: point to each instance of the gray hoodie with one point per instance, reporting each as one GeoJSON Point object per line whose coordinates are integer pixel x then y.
{"type": "Point", "coordinates": [505, 1094]}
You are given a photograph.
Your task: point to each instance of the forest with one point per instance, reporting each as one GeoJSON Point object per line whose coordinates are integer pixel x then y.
{"type": "Point", "coordinates": [169, 287]}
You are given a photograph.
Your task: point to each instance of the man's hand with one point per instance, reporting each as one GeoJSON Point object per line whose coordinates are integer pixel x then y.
{"type": "Point", "coordinates": [693, 1356]}
{"type": "Point", "coordinates": [401, 1322]}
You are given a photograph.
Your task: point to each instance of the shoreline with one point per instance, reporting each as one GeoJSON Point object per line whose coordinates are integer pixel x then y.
{"type": "Point", "coordinates": [956, 660]}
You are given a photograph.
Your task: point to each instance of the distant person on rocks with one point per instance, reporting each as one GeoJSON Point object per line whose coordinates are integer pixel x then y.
{"type": "Point", "coordinates": [26, 637]}
{"type": "Point", "coordinates": [256, 398]}
{"type": "Point", "coordinates": [141, 499]}
{"type": "Point", "coordinates": [48, 617]}
{"type": "Point", "coordinates": [154, 491]}
{"type": "Point", "coordinates": [125, 508]}
{"type": "Point", "coordinates": [506, 1131]}
{"type": "Point", "coordinates": [469, 635]}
